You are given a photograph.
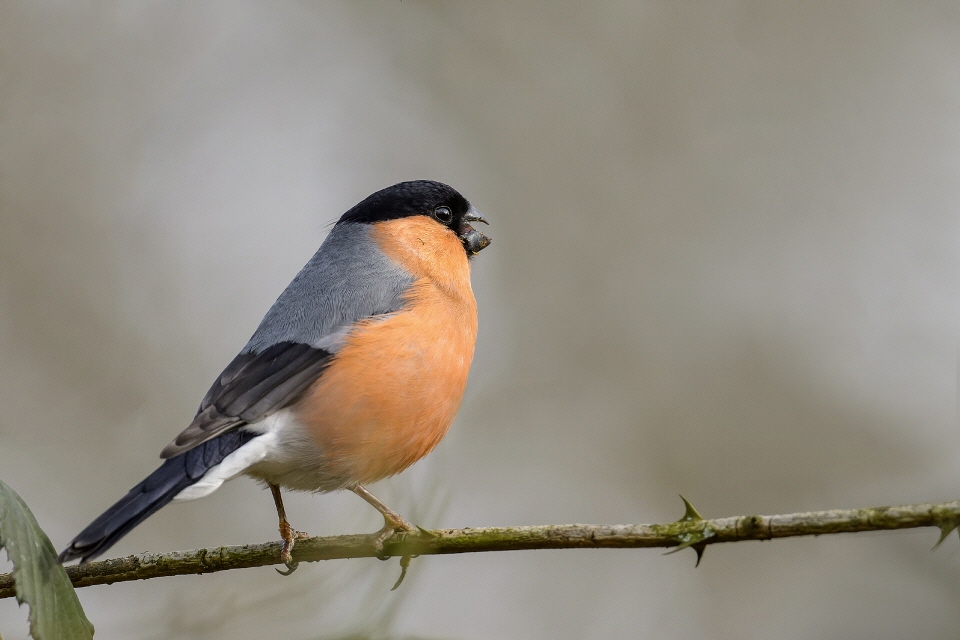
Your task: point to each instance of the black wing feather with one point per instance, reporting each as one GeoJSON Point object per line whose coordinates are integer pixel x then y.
{"type": "Point", "coordinates": [253, 386]}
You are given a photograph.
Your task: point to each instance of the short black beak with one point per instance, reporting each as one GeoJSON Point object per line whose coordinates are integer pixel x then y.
{"type": "Point", "coordinates": [472, 215]}
{"type": "Point", "coordinates": [473, 241]}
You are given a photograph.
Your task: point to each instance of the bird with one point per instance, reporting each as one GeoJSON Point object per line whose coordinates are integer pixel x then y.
{"type": "Point", "coordinates": [356, 372]}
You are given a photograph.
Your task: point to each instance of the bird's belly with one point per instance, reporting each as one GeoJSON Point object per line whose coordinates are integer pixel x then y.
{"type": "Point", "coordinates": [393, 390]}
{"type": "Point", "coordinates": [291, 458]}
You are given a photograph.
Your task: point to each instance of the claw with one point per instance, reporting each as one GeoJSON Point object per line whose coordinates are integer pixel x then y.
{"type": "Point", "coordinates": [404, 563]}
{"type": "Point", "coordinates": [390, 529]}
{"type": "Point", "coordinates": [287, 533]}
{"type": "Point", "coordinates": [401, 528]}
{"type": "Point", "coordinates": [289, 537]}
{"type": "Point", "coordinates": [393, 525]}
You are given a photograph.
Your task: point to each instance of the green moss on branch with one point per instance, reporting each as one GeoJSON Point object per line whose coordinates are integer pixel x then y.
{"type": "Point", "coordinates": [689, 531]}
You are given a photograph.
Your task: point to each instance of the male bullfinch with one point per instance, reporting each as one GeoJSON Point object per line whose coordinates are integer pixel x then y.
{"type": "Point", "coordinates": [354, 374]}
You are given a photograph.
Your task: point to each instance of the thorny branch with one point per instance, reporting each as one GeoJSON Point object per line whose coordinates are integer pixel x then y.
{"type": "Point", "coordinates": [690, 531]}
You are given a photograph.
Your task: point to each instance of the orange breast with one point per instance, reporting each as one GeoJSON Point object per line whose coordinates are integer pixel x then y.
{"type": "Point", "coordinates": [395, 386]}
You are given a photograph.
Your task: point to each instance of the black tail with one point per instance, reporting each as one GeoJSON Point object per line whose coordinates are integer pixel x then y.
{"type": "Point", "coordinates": [160, 487]}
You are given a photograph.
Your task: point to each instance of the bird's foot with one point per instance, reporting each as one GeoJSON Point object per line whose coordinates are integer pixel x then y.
{"type": "Point", "coordinates": [393, 525]}
{"type": "Point", "coordinates": [289, 536]}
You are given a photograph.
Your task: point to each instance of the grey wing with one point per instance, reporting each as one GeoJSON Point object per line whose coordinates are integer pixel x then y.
{"type": "Point", "coordinates": [347, 280]}
{"type": "Point", "coordinates": [252, 387]}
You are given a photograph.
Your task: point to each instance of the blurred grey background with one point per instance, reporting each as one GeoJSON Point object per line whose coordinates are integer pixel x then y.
{"type": "Point", "coordinates": [726, 263]}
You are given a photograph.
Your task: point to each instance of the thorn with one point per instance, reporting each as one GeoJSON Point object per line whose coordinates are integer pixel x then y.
{"type": "Point", "coordinates": [690, 513]}
{"type": "Point", "coordinates": [427, 533]}
{"type": "Point", "coordinates": [946, 528]}
{"type": "Point", "coordinates": [696, 542]}
{"type": "Point", "coordinates": [404, 563]}
{"type": "Point", "coordinates": [700, 549]}
{"type": "Point", "coordinates": [692, 541]}
{"type": "Point", "coordinates": [696, 539]}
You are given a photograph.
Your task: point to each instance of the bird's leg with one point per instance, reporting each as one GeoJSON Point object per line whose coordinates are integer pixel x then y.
{"type": "Point", "coordinates": [392, 521]}
{"type": "Point", "coordinates": [287, 533]}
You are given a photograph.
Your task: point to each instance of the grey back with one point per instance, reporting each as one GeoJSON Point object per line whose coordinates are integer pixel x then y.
{"type": "Point", "coordinates": [347, 279]}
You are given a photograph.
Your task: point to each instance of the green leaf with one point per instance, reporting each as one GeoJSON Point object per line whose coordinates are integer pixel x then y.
{"type": "Point", "coordinates": [40, 581]}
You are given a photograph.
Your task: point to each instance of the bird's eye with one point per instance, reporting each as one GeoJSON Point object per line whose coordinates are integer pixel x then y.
{"type": "Point", "coordinates": [443, 214]}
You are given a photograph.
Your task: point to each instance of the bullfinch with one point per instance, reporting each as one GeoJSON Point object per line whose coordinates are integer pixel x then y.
{"type": "Point", "coordinates": [354, 374]}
